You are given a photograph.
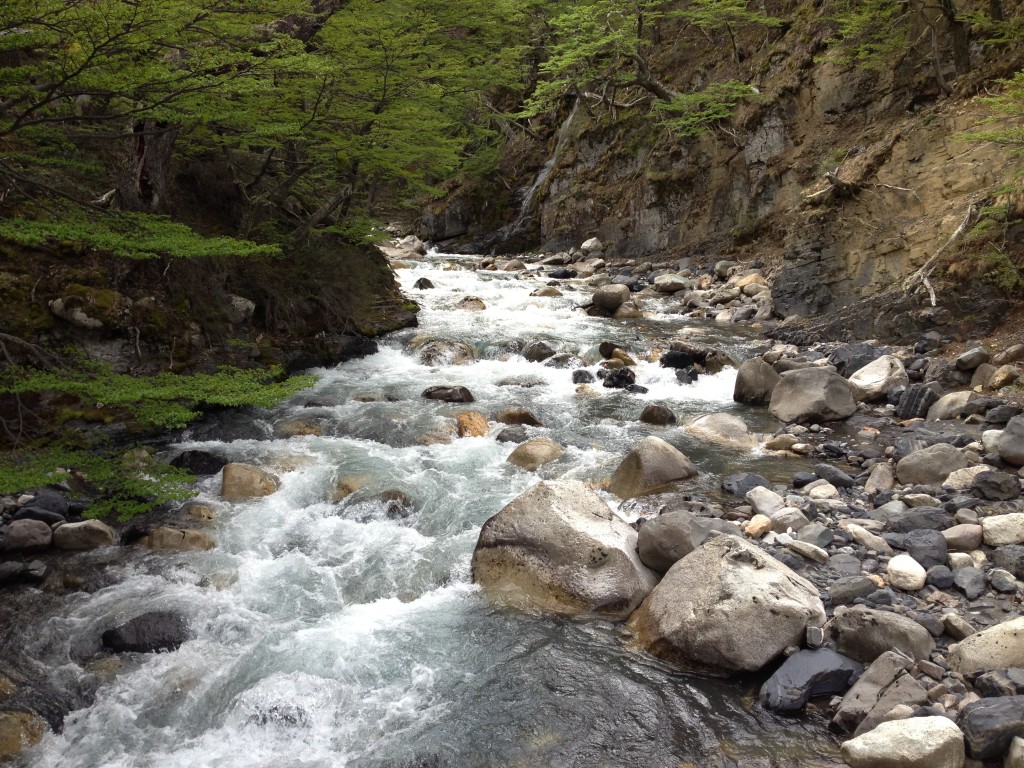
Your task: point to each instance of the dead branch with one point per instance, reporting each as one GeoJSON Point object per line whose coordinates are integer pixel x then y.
{"type": "Point", "coordinates": [929, 266]}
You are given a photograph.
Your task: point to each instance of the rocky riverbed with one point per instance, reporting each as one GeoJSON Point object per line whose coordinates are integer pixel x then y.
{"type": "Point", "coordinates": [840, 524]}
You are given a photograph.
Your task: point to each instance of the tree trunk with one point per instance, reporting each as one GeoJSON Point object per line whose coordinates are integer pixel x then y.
{"type": "Point", "coordinates": [961, 39]}
{"type": "Point", "coordinates": [145, 173]}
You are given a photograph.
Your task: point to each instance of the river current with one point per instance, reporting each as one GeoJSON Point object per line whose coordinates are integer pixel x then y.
{"type": "Point", "coordinates": [330, 634]}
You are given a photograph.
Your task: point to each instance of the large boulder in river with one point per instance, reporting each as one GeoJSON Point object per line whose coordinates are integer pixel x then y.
{"type": "Point", "coordinates": [875, 379]}
{"type": "Point", "coordinates": [650, 465]}
{"type": "Point", "coordinates": [609, 298]}
{"type": "Point", "coordinates": [812, 395]}
{"type": "Point", "coordinates": [755, 382]}
{"type": "Point", "coordinates": [241, 482]}
{"type": "Point", "coordinates": [723, 428]}
{"type": "Point", "coordinates": [930, 465]}
{"type": "Point", "coordinates": [534, 454]}
{"type": "Point", "coordinates": [727, 607]}
{"type": "Point", "coordinates": [558, 547]}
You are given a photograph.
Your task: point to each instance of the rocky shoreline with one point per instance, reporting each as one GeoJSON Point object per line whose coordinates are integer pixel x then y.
{"type": "Point", "coordinates": [888, 578]}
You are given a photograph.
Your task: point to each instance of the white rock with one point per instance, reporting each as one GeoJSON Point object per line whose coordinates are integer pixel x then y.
{"type": "Point", "coordinates": [825, 491]}
{"type": "Point", "coordinates": [904, 572]}
{"type": "Point", "coordinates": [919, 742]}
{"type": "Point", "coordinates": [881, 478]}
{"type": "Point", "coordinates": [870, 540]}
{"type": "Point", "coordinates": [997, 647]}
{"type": "Point", "coordinates": [725, 429]}
{"type": "Point", "coordinates": [591, 245]}
{"type": "Point", "coordinates": [999, 530]}
{"type": "Point", "coordinates": [876, 378]}
{"type": "Point", "coordinates": [960, 480]}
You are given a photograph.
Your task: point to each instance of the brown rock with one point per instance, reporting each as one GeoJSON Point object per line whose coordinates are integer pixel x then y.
{"type": "Point", "coordinates": [517, 416]}
{"type": "Point", "coordinates": [175, 540]}
{"type": "Point", "coordinates": [471, 424]}
{"type": "Point", "coordinates": [19, 731]}
{"type": "Point", "coordinates": [533, 454]}
{"type": "Point", "coordinates": [243, 481]}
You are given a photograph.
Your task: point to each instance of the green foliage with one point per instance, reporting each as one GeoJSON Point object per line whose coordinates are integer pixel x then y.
{"type": "Point", "coordinates": [166, 400]}
{"type": "Point", "coordinates": [870, 33]}
{"type": "Point", "coordinates": [129, 235]}
{"type": "Point", "coordinates": [1009, 103]}
{"type": "Point", "coordinates": [691, 114]}
{"type": "Point", "coordinates": [722, 14]}
{"type": "Point", "coordinates": [125, 485]}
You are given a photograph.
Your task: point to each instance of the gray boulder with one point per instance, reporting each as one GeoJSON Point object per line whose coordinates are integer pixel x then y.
{"type": "Point", "coordinates": [673, 535]}
{"type": "Point", "coordinates": [727, 607]}
{"type": "Point", "coordinates": [27, 536]}
{"type": "Point", "coordinates": [1010, 444]}
{"type": "Point", "coordinates": [559, 548]}
{"type": "Point", "coordinates": [755, 381]}
{"type": "Point", "coordinates": [650, 465]}
{"type": "Point", "coordinates": [812, 395]}
{"type": "Point", "coordinates": [865, 634]}
{"type": "Point", "coordinates": [610, 297]}
{"type": "Point", "coordinates": [88, 534]}
{"type": "Point", "coordinates": [930, 465]}
{"type": "Point", "coordinates": [870, 688]}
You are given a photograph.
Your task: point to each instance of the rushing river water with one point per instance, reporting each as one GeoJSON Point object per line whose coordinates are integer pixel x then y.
{"type": "Point", "coordinates": [328, 634]}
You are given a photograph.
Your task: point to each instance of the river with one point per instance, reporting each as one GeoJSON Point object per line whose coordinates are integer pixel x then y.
{"type": "Point", "coordinates": [332, 634]}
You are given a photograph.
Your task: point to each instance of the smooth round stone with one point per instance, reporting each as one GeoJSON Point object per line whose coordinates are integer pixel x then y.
{"type": "Point", "coordinates": [904, 572]}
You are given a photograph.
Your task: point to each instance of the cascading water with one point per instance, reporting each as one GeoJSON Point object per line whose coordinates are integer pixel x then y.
{"type": "Point", "coordinates": [334, 634]}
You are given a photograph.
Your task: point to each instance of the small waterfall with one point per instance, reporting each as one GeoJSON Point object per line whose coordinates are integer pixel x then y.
{"type": "Point", "coordinates": [526, 208]}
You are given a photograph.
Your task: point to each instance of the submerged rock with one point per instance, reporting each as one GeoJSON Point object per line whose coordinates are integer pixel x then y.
{"type": "Point", "coordinates": [241, 482]}
{"type": "Point", "coordinates": [558, 547]}
{"type": "Point", "coordinates": [150, 632]}
{"type": "Point", "coordinates": [533, 454]}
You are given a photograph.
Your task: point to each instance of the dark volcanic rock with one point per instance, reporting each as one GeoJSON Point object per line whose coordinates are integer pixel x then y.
{"type": "Point", "coordinates": [422, 284]}
{"type": "Point", "coordinates": [846, 589]}
{"type": "Point", "coordinates": [1010, 557]}
{"type": "Point", "coordinates": [619, 379]}
{"type": "Point", "coordinates": [582, 376]}
{"type": "Point", "coordinates": [1000, 682]}
{"type": "Point", "coordinates": [40, 514]}
{"type": "Point", "coordinates": [996, 486]}
{"type": "Point", "coordinates": [199, 462]}
{"type": "Point", "coordinates": [927, 546]}
{"type": "Point", "coordinates": [673, 359]}
{"type": "Point", "coordinates": [658, 415]}
{"type": "Point", "coordinates": [989, 725]}
{"type": "Point", "coordinates": [807, 674]}
{"type": "Point", "coordinates": [916, 401]}
{"type": "Point", "coordinates": [933, 518]}
{"type": "Point", "coordinates": [515, 434]}
{"type": "Point", "coordinates": [834, 475]}
{"type": "Point", "coordinates": [741, 482]}
{"type": "Point", "coordinates": [970, 581]}
{"type": "Point", "coordinates": [940, 577]}
{"type": "Point", "coordinates": [449, 394]}
{"type": "Point", "coordinates": [850, 358]}
{"type": "Point", "coordinates": [156, 631]}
